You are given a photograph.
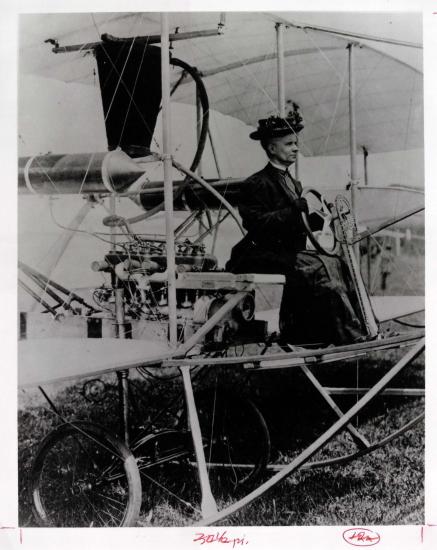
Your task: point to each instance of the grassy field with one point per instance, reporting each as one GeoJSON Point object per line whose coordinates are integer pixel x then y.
{"type": "Point", "coordinates": [385, 487]}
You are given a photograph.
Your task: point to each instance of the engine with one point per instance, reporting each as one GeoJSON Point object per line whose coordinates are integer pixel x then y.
{"type": "Point", "coordinates": [139, 269]}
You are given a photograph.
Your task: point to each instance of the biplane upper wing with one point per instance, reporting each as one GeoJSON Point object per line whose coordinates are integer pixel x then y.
{"type": "Point", "coordinates": [238, 65]}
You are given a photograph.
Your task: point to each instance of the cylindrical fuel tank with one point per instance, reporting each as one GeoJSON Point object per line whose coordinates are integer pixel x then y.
{"type": "Point", "coordinates": [77, 173]}
{"type": "Point", "coordinates": [115, 171]}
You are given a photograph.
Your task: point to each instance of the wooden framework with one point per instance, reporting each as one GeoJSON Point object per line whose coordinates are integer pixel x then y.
{"type": "Point", "coordinates": [178, 355]}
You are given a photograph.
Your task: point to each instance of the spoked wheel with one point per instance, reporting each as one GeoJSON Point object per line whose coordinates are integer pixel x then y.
{"type": "Point", "coordinates": [236, 446]}
{"type": "Point", "coordinates": [309, 458]}
{"type": "Point", "coordinates": [163, 460]}
{"type": "Point", "coordinates": [324, 238]}
{"type": "Point", "coordinates": [84, 477]}
{"type": "Point", "coordinates": [236, 439]}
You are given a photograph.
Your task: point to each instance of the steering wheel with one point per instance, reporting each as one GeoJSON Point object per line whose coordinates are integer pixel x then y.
{"type": "Point", "coordinates": [324, 239]}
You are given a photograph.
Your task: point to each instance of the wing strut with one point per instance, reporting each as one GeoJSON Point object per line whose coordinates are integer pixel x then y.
{"type": "Point", "coordinates": [168, 180]}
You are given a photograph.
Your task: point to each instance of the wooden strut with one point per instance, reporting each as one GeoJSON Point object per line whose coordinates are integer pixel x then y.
{"type": "Point", "coordinates": [208, 505]}
{"type": "Point", "coordinates": [183, 349]}
{"type": "Point", "coordinates": [211, 189]}
{"type": "Point", "coordinates": [168, 182]}
{"type": "Point", "coordinates": [313, 356]}
{"type": "Point", "coordinates": [336, 460]}
{"type": "Point", "coordinates": [358, 454]}
{"type": "Point", "coordinates": [323, 439]}
{"type": "Point", "coordinates": [38, 298]}
{"type": "Point", "coordinates": [46, 282]}
{"type": "Point", "coordinates": [123, 375]}
{"type": "Point", "coordinates": [214, 153]}
{"type": "Point", "coordinates": [387, 223]}
{"type": "Point", "coordinates": [359, 438]}
{"type": "Point", "coordinates": [151, 39]}
{"type": "Point", "coordinates": [404, 392]}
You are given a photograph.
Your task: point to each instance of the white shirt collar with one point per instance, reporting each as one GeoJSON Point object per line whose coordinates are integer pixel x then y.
{"type": "Point", "coordinates": [279, 167]}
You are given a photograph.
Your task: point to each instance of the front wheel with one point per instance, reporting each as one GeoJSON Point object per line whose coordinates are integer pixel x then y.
{"type": "Point", "coordinates": [236, 445]}
{"type": "Point", "coordinates": [236, 438]}
{"type": "Point", "coordinates": [84, 477]}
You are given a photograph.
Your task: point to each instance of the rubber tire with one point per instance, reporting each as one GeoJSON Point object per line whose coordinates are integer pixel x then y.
{"type": "Point", "coordinates": [238, 410]}
{"type": "Point", "coordinates": [107, 442]}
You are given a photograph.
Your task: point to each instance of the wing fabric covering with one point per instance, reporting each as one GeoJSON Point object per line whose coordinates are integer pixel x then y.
{"type": "Point", "coordinates": [42, 361]}
{"type": "Point", "coordinates": [239, 69]}
{"type": "Point", "coordinates": [386, 308]}
{"type": "Point", "coordinates": [130, 83]}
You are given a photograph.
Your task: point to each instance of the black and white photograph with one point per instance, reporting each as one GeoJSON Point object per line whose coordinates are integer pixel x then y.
{"type": "Point", "coordinates": [221, 276]}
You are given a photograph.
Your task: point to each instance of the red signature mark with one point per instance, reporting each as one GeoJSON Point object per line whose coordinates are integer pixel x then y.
{"type": "Point", "coordinates": [361, 537]}
{"type": "Point", "coordinates": [205, 538]}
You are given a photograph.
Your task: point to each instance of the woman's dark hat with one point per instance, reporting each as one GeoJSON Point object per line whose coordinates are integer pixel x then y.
{"type": "Point", "coordinates": [275, 126]}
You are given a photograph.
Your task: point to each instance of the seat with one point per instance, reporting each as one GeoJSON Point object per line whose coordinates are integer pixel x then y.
{"type": "Point", "coordinates": [222, 280]}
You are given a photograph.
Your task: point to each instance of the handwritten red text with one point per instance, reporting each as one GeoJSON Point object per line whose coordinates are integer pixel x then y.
{"type": "Point", "coordinates": [206, 538]}
{"type": "Point", "coordinates": [361, 537]}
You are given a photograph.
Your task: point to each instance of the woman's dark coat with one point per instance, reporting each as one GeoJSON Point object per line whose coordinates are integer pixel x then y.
{"type": "Point", "coordinates": [316, 302]}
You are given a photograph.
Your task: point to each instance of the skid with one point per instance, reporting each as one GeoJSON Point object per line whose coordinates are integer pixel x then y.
{"type": "Point", "coordinates": [327, 436]}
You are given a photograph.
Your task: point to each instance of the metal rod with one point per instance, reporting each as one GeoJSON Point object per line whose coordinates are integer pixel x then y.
{"type": "Point", "coordinates": [321, 441]}
{"type": "Point", "coordinates": [368, 240]}
{"type": "Point", "coordinates": [352, 124]}
{"type": "Point", "coordinates": [407, 392]}
{"type": "Point", "coordinates": [353, 456]}
{"type": "Point", "coordinates": [199, 118]}
{"type": "Point", "coordinates": [210, 324]}
{"type": "Point", "coordinates": [214, 153]}
{"type": "Point", "coordinates": [328, 30]}
{"type": "Point", "coordinates": [363, 297]}
{"type": "Point", "coordinates": [214, 228]}
{"type": "Point", "coordinates": [369, 264]}
{"type": "Point", "coordinates": [262, 59]}
{"type": "Point", "coordinates": [50, 402]}
{"type": "Point", "coordinates": [365, 155]}
{"type": "Point", "coordinates": [58, 250]}
{"type": "Point", "coordinates": [152, 39]}
{"type": "Point", "coordinates": [47, 290]}
{"type": "Point", "coordinates": [211, 189]}
{"type": "Point", "coordinates": [119, 313]}
{"type": "Point", "coordinates": [72, 296]}
{"type": "Point", "coordinates": [280, 67]}
{"type": "Point", "coordinates": [168, 181]}
{"type": "Point", "coordinates": [123, 400]}
{"type": "Point", "coordinates": [37, 298]}
{"type": "Point", "coordinates": [186, 224]}
{"type": "Point", "coordinates": [112, 210]}
{"type": "Point", "coordinates": [198, 134]}
{"type": "Point", "coordinates": [387, 223]}
{"type": "Point", "coordinates": [353, 139]}
{"type": "Point", "coordinates": [396, 188]}
{"type": "Point", "coordinates": [314, 356]}
{"type": "Point", "coordinates": [208, 505]}
{"type": "Point", "coordinates": [122, 376]}
{"type": "Point", "coordinates": [358, 437]}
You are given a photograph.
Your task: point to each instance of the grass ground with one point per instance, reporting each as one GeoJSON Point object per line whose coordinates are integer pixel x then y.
{"type": "Point", "coordinates": [385, 487]}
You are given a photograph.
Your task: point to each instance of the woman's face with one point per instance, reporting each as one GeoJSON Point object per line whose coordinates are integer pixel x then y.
{"type": "Point", "coordinates": [283, 150]}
